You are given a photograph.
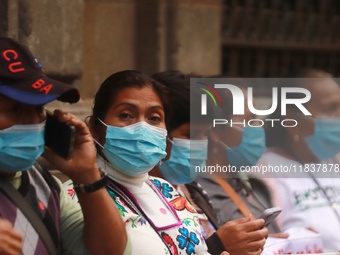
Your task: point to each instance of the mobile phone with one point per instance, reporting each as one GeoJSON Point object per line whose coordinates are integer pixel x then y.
{"type": "Point", "coordinates": [269, 215]}
{"type": "Point", "coordinates": [59, 136]}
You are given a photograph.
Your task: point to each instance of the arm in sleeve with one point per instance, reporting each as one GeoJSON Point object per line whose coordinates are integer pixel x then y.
{"type": "Point", "coordinates": [72, 226]}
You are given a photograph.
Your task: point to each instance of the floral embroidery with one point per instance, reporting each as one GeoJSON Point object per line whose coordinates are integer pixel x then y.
{"type": "Point", "coordinates": [180, 203]}
{"type": "Point", "coordinates": [139, 219]}
{"type": "Point", "coordinates": [187, 240]}
{"type": "Point", "coordinates": [200, 234]}
{"type": "Point", "coordinates": [183, 239]}
{"type": "Point", "coordinates": [164, 187]}
{"type": "Point", "coordinates": [142, 221]}
{"type": "Point", "coordinates": [68, 186]}
{"type": "Point", "coordinates": [70, 192]}
{"type": "Point", "coordinates": [187, 221]}
{"type": "Point", "coordinates": [170, 243]}
{"type": "Point", "coordinates": [116, 199]}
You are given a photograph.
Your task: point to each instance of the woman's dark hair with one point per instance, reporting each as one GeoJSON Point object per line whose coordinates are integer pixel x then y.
{"type": "Point", "coordinates": [180, 94]}
{"type": "Point", "coordinates": [112, 85]}
{"type": "Point", "coordinates": [276, 135]}
{"type": "Point", "coordinates": [178, 86]}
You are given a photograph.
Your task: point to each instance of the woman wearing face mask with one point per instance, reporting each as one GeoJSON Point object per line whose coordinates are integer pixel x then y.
{"type": "Point", "coordinates": [187, 148]}
{"type": "Point", "coordinates": [236, 145]}
{"type": "Point", "coordinates": [311, 200]}
{"type": "Point", "coordinates": [128, 125]}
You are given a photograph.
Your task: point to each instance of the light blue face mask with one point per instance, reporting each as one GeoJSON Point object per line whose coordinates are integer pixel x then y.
{"type": "Point", "coordinates": [324, 143]}
{"type": "Point", "coordinates": [186, 155]}
{"type": "Point", "coordinates": [135, 149]}
{"type": "Point", "coordinates": [20, 146]}
{"type": "Point", "coordinates": [251, 148]}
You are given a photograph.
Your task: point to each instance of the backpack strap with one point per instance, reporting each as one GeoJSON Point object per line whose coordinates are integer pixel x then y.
{"type": "Point", "coordinates": [233, 196]}
{"type": "Point", "coordinates": [48, 177]}
{"type": "Point", "coordinates": [27, 210]}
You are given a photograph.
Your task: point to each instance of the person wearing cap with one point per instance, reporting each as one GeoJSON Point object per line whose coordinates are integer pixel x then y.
{"type": "Point", "coordinates": [94, 225]}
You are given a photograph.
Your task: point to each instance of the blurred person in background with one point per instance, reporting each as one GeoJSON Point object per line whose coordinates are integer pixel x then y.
{"type": "Point", "coordinates": [236, 145]}
{"type": "Point", "coordinates": [187, 147]}
{"type": "Point", "coordinates": [312, 200]}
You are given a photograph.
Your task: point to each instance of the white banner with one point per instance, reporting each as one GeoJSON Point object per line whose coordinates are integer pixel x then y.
{"type": "Point", "coordinates": [300, 241]}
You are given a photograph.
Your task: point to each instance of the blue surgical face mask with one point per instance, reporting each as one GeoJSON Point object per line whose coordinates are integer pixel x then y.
{"type": "Point", "coordinates": [186, 155]}
{"type": "Point", "coordinates": [20, 146]}
{"type": "Point", "coordinates": [135, 149]}
{"type": "Point", "coordinates": [324, 143]}
{"type": "Point", "coordinates": [251, 148]}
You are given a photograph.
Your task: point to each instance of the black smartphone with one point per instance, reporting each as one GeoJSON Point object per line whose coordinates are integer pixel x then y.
{"type": "Point", "coordinates": [59, 136]}
{"type": "Point", "coordinates": [269, 215]}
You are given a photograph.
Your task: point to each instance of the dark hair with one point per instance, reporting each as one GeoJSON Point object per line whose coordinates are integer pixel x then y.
{"type": "Point", "coordinates": [180, 94]}
{"type": "Point", "coordinates": [276, 135]}
{"type": "Point", "coordinates": [178, 86]}
{"type": "Point", "coordinates": [108, 90]}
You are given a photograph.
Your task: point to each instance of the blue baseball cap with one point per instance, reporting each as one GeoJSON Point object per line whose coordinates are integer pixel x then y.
{"type": "Point", "coordinates": [22, 78]}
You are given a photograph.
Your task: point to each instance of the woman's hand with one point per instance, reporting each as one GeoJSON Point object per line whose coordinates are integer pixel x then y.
{"type": "Point", "coordinates": [243, 236]}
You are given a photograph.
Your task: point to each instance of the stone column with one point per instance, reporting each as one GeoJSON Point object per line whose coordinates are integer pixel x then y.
{"type": "Point", "coordinates": [179, 34]}
{"type": "Point", "coordinates": [194, 36]}
{"type": "Point", "coordinates": [109, 41]}
{"type": "Point", "coordinates": [151, 35]}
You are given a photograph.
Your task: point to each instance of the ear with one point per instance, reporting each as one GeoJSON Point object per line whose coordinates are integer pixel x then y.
{"type": "Point", "coordinates": [96, 131]}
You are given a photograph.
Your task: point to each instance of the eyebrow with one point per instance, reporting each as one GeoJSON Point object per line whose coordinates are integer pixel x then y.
{"type": "Point", "coordinates": [126, 104]}
{"type": "Point", "coordinates": [157, 107]}
{"type": "Point", "coordinates": [132, 105]}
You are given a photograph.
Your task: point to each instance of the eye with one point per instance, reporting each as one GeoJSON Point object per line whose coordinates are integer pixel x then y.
{"type": "Point", "coordinates": [155, 119]}
{"type": "Point", "coordinates": [125, 116]}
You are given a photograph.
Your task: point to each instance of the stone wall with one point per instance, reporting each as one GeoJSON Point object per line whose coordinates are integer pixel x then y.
{"type": "Point", "coordinates": [83, 41]}
{"type": "Point", "coordinates": [195, 36]}
{"type": "Point", "coordinates": [51, 29]}
{"type": "Point", "coordinates": [109, 41]}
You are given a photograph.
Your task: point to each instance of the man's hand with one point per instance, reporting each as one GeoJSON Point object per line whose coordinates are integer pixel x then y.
{"type": "Point", "coordinates": [243, 236]}
{"type": "Point", "coordinates": [10, 240]}
{"type": "Point", "coordinates": [81, 166]}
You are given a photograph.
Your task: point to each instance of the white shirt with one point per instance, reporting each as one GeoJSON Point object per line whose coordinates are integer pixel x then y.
{"type": "Point", "coordinates": [303, 202]}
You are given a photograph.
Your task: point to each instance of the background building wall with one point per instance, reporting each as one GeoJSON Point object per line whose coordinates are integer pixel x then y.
{"type": "Point", "coordinates": [195, 36]}
{"type": "Point", "coordinates": [51, 29]}
{"type": "Point", "coordinates": [109, 41]}
{"type": "Point", "coordinates": [83, 41]}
